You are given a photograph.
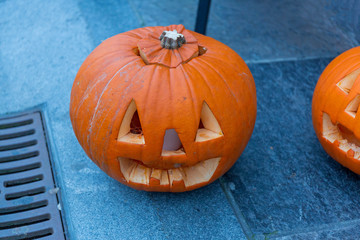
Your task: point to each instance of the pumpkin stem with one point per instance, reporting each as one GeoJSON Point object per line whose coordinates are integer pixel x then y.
{"type": "Point", "coordinates": [171, 39]}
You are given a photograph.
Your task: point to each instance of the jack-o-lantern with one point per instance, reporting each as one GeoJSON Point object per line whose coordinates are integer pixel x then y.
{"type": "Point", "coordinates": [163, 108]}
{"type": "Point", "coordinates": [335, 108]}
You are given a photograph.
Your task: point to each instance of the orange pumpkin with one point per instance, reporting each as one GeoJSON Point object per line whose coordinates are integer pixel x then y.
{"type": "Point", "coordinates": [335, 105]}
{"type": "Point", "coordinates": [169, 114]}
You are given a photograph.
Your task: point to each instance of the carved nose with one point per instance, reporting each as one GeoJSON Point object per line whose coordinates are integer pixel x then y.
{"type": "Point", "coordinates": [171, 140]}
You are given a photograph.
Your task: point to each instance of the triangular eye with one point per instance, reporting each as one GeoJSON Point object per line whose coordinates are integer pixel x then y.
{"type": "Point", "coordinates": [348, 81]}
{"type": "Point", "coordinates": [130, 129]}
{"type": "Point", "coordinates": [353, 106]}
{"type": "Point", "coordinates": [209, 127]}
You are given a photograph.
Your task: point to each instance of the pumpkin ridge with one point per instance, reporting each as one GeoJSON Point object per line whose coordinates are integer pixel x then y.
{"type": "Point", "coordinates": [333, 68]}
{"type": "Point", "coordinates": [134, 34]}
{"type": "Point", "coordinates": [99, 98]}
{"type": "Point", "coordinates": [95, 60]}
{"type": "Point", "coordinates": [209, 55]}
{"type": "Point", "coordinates": [152, 87]}
{"type": "Point", "coordinates": [205, 83]}
{"type": "Point", "coordinates": [191, 90]}
{"type": "Point", "coordinates": [223, 80]}
{"type": "Point", "coordinates": [123, 52]}
{"type": "Point", "coordinates": [89, 89]}
{"type": "Point", "coordinates": [107, 49]}
{"type": "Point", "coordinates": [328, 106]}
{"type": "Point", "coordinates": [85, 72]}
{"type": "Point", "coordinates": [111, 124]}
{"type": "Point", "coordinates": [210, 94]}
{"type": "Point", "coordinates": [171, 100]}
{"type": "Point", "coordinates": [90, 98]}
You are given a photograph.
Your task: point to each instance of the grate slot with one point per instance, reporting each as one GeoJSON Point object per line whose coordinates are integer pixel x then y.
{"type": "Point", "coordinates": [17, 134]}
{"type": "Point", "coordinates": [16, 124]}
{"type": "Point", "coordinates": [20, 169]}
{"type": "Point", "coordinates": [19, 157]}
{"type": "Point", "coordinates": [22, 208]}
{"type": "Point", "coordinates": [24, 222]}
{"type": "Point", "coordinates": [31, 235]}
{"type": "Point", "coordinates": [31, 192]}
{"type": "Point", "coordinates": [22, 181]}
{"type": "Point", "coordinates": [18, 145]}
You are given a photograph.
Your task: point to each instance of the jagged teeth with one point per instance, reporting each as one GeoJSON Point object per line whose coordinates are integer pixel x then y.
{"type": "Point", "coordinates": [137, 173]}
{"type": "Point", "coordinates": [332, 133]}
{"type": "Point", "coordinates": [346, 147]}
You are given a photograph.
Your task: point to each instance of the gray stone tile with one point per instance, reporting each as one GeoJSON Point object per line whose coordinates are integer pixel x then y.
{"type": "Point", "coordinates": [164, 13]}
{"type": "Point", "coordinates": [200, 214]}
{"type": "Point", "coordinates": [349, 232]}
{"type": "Point", "coordinates": [106, 19]}
{"type": "Point", "coordinates": [276, 30]}
{"type": "Point", "coordinates": [262, 31]}
{"type": "Point", "coordinates": [284, 180]}
{"type": "Point", "coordinates": [346, 16]}
{"type": "Point", "coordinates": [41, 50]}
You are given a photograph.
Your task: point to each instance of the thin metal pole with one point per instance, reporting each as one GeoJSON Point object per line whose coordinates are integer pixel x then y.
{"type": "Point", "coordinates": [202, 16]}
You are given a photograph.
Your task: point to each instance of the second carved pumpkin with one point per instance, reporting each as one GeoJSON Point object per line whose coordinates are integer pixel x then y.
{"type": "Point", "coordinates": [335, 109]}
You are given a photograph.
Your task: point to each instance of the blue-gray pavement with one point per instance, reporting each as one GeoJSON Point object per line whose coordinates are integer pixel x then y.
{"type": "Point", "coordinates": [285, 182]}
{"type": "Point", "coordinates": [284, 185]}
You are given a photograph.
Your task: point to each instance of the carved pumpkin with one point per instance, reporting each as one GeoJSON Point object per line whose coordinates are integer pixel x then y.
{"type": "Point", "coordinates": [168, 114]}
{"type": "Point", "coordinates": [335, 108]}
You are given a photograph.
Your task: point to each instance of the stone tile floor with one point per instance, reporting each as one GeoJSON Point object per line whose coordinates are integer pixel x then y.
{"type": "Point", "coordinates": [283, 186]}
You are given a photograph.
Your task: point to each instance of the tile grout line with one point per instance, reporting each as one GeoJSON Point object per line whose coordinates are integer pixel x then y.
{"type": "Point", "coordinates": [331, 226]}
{"type": "Point", "coordinates": [138, 16]}
{"type": "Point", "coordinates": [239, 216]}
{"type": "Point", "coordinates": [287, 233]}
{"type": "Point", "coordinates": [290, 59]}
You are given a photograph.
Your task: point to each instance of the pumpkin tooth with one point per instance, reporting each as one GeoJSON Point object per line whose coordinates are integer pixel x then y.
{"type": "Point", "coordinates": [126, 167]}
{"type": "Point", "coordinates": [174, 175]}
{"type": "Point", "coordinates": [203, 171]}
{"type": "Point", "coordinates": [164, 180]}
{"type": "Point", "coordinates": [140, 174]}
{"type": "Point", "coordinates": [354, 147]}
{"type": "Point", "coordinates": [155, 177]}
{"type": "Point", "coordinates": [156, 173]}
{"type": "Point", "coordinates": [176, 179]}
{"type": "Point", "coordinates": [344, 145]}
{"type": "Point", "coordinates": [350, 153]}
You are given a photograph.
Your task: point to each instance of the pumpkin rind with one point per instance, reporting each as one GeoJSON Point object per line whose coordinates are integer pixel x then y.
{"type": "Point", "coordinates": [114, 75]}
{"type": "Point", "coordinates": [332, 99]}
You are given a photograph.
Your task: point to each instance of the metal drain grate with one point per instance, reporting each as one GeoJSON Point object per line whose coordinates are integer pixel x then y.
{"type": "Point", "coordinates": [28, 199]}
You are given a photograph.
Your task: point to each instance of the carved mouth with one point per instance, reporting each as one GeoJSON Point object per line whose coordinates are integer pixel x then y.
{"type": "Point", "coordinates": [135, 172]}
{"type": "Point", "coordinates": [342, 137]}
